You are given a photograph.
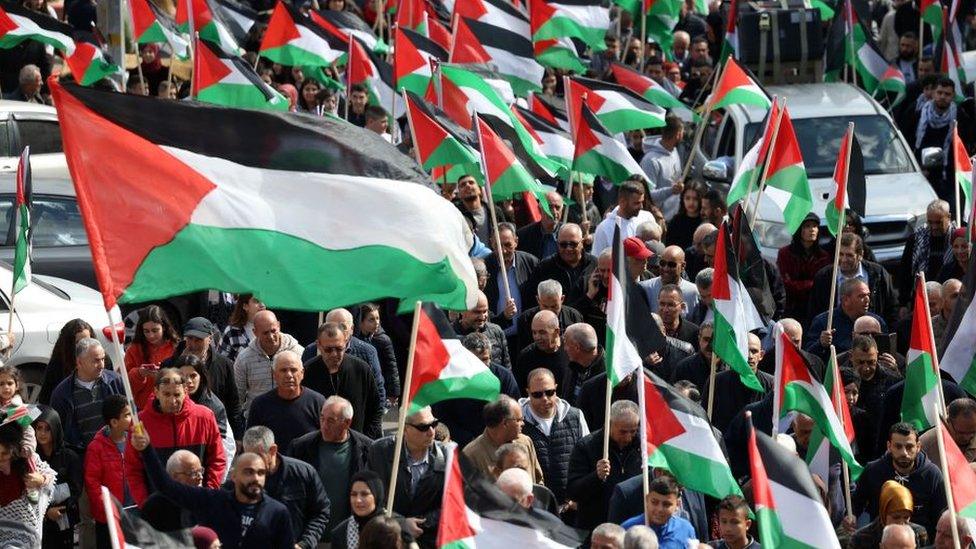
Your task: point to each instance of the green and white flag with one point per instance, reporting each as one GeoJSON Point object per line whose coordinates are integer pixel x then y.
{"type": "Point", "coordinates": [622, 357]}
{"type": "Point", "coordinates": [22, 238]}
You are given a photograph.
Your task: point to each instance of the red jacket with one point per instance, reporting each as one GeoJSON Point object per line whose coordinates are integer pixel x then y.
{"type": "Point", "coordinates": [193, 428]}
{"type": "Point", "coordinates": [103, 466]}
{"type": "Point", "coordinates": [797, 270]}
{"type": "Point", "coordinates": [142, 387]}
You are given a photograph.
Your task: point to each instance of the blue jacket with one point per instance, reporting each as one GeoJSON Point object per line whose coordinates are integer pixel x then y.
{"type": "Point", "coordinates": [220, 510]}
{"type": "Point", "coordinates": [64, 405]}
{"type": "Point", "coordinates": [673, 534]}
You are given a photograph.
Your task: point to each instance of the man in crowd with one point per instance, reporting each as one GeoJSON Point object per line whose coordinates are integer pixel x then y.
{"type": "Point", "coordinates": [628, 214]}
{"type": "Point", "coordinates": [943, 532]}
{"type": "Point", "coordinates": [663, 165]}
{"type": "Point", "coordinates": [585, 360]}
{"type": "Point", "coordinates": [926, 249]}
{"type": "Point", "coordinates": [961, 425]}
{"type": "Point", "coordinates": [476, 320]}
{"type": "Point", "coordinates": [358, 100]}
{"type": "Point", "coordinates": [78, 398]}
{"type": "Point", "coordinates": [289, 410]}
{"type": "Point", "coordinates": [539, 238]}
{"type": "Point", "coordinates": [698, 366]}
{"type": "Point", "coordinates": [702, 312]}
{"type": "Point", "coordinates": [295, 484]}
{"type": "Point", "coordinates": [713, 209]}
{"type": "Point", "coordinates": [378, 122]}
{"type": "Point", "coordinates": [29, 87]}
{"type": "Point", "coordinates": [549, 296]}
{"type": "Point", "coordinates": [336, 452]}
{"type": "Point", "coordinates": [569, 266]}
{"type": "Point", "coordinates": [853, 266]}
{"type": "Point", "coordinates": [518, 268]}
{"type": "Point", "coordinates": [474, 207]}
{"type": "Point", "coordinates": [333, 372]}
{"type": "Point", "coordinates": [734, 523]}
{"type": "Point", "coordinates": [672, 265]}
{"type": "Point", "coordinates": [731, 395]}
{"type": "Point", "coordinates": [660, 513]}
{"type": "Point", "coordinates": [354, 347]}
{"type": "Point", "coordinates": [672, 308]}
{"type": "Point", "coordinates": [554, 428]}
{"type": "Point", "coordinates": [855, 299]}
{"type": "Point", "coordinates": [252, 367]}
{"type": "Point", "coordinates": [164, 514]}
{"type": "Point", "coordinates": [545, 351]}
{"type": "Point", "coordinates": [503, 424]}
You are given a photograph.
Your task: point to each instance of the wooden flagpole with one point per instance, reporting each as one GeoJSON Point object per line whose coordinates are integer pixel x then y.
{"type": "Point", "coordinates": [840, 232]}
{"type": "Point", "coordinates": [947, 482]}
{"type": "Point", "coordinates": [348, 78]}
{"type": "Point", "coordinates": [118, 364]}
{"type": "Point", "coordinates": [699, 132]}
{"type": "Point", "coordinates": [404, 405]}
{"type": "Point", "coordinates": [711, 381]}
{"type": "Point", "coordinates": [491, 210]}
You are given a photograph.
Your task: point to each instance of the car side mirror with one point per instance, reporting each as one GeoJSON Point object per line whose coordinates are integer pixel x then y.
{"type": "Point", "coordinates": [932, 158]}
{"type": "Point", "coordinates": [716, 170]}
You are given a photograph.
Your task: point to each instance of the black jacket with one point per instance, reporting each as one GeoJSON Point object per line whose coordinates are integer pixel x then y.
{"type": "Point", "coordinates": [523, 322]}
{"type": "Point", "coordinates": [297, 486]}
{"type": "Point", "coordinates": [388, 361]}
{"type": "Point", "coordinates": [577, 374]}
{"type": "Point", "coordinates": [924, 482]}
{"type": "Point", "coordinates": [731, 396]}
{"type": "Point", "coordinates": [525, 264]}
{"type": "Point", "coordinates": [891, 408]}
{"type": "Point", "coordinates": [306, 448]}
{"type": "Point", "coordinates": [573, 279]}
{"type": "Point", "coordinates": [585, 487]}
{"type": "Point", "coordinates": [884, 298]}
{"type": "Point", "coordinates": [530, 238]}
{"type": "Point", "coordinates": [355, 383]}
{"type": "Point", "coordinates": [426, 499]}
{"type": "Point", "coordinates": [531, 357]}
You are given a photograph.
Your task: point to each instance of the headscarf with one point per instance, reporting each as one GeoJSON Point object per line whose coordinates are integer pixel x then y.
{"type": "Point", "coordinates": [356, 525]}
{"type": "Point", "coordinates": [930, 118]}
{"type": "Point", "coordinates": [203, 537]}
{"type": "Point", "coordinates": [894, 497]}
{"type": "Point", "coordinates": [50, 416]}
{"type": "Point", "coordinates": [289, 91]}
{"type": "Point", "coordinates": [156, 64]}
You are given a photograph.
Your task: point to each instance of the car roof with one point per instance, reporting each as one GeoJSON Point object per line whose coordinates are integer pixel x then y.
{"type": "Point", "coordinates": [814, 100]}
{"type": "Point", "coordinates": [55, 186]}
{"type": "Point", "coordinates": [7, 106]}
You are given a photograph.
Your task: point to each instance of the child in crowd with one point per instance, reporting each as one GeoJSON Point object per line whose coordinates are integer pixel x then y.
{"type": "Point", "coordinates": [105, 466]}
{"type": "Point", "coordinates": [733, 525]}
{"type": "Point", "coordinates": [660, 507]}
{"type": "Point", "coordinates": [21, 516]}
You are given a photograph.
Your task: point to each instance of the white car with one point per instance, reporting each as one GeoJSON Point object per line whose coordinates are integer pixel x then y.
{"type": "Point", "coordinates": [40, 310]}
{"type": "Point", "coordinates": [35, 125]}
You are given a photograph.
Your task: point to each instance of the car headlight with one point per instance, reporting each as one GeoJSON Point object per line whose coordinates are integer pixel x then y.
{"type": "Point", "coordinates": [772, 234]}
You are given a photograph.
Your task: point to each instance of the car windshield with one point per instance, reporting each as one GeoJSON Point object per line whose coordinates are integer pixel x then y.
{"type": "Point", "coordinates": [820, 138]}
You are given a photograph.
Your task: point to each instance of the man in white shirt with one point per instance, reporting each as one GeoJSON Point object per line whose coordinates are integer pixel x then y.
{"type": "Point", "coordinates": [630, 200]}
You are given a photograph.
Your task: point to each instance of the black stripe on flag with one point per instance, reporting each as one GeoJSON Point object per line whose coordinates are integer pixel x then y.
{"type": "Point", "coordinates": [260, 139]}
{"type": "Point", "coordinates": [599, 85]}
{"type": "Point", "coordinates": [463, 135]}
{"type": "Point", "coordinates": [425, 44]}
{"type": "Point", "coordinates": [41, 20]}
{"type": "Point", "coordinates": [785, 468]}
{"type": "Point", "coordinates": [439, 320]}
{"type": "Point", "coordinates": [500, 38]}
{"type": "Point", "coordinates": [241, 66]}
{"type": "Point", "coordinates": [856, 185]}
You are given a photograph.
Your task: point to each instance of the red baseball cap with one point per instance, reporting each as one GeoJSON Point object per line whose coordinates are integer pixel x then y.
{"type": "Point", "coordinates": [634, 247]}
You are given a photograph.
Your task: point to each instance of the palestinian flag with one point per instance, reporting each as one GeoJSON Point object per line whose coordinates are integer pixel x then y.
{"type": "Point", "coordinates": [21, 414]}
{"type": "Point", "coordinates": [499, 13]}
{"type": "Point", "coordinates": [733, 311]}
{"type": "Point", "coordinates": [787, 503]}
{"type": "Point", "coordinates": [539, 166]}
{"type": "Point", "coordinates": [931, 11]}
{"type": "Point", "coordinates": [208, 27]}
{"type": "Point", "coordinates": [730, 47]}
{"type": "Point", "coordinates": [228, 80]}
{"type": "Point", "coordinates": [798, 390]}
{"type": "Point", "coordinates": [437, 139]}
{"type": "Point", "coordinates": [300, 183]}
{"type": "Point", "coordinates": [437, 32]}
{"type": "Point", "coordinates": [128, 531]}
{"type": "Point", "coordinates": [412, 15]}
{"type": "Point", "coordinates": [659, 16]}
{"type": "Point", "coordinates": [510, 54]}
{"type": "Point", "coordinates": [477, 514]}
{"type": "Point", "coordinates": [343, 24]}
{"type": "Point", "coordinates": [88, 64]}
{"type": "Point", "coordinates": [292, 39]}
{"type": "Point", "coordinates": [412, 60]}
{"type": "Point", "coordinates": [550, 109]}
{"type": "Point", "coordinates": [18, 24]}
{"type": "Point", "coordinates": [849, 185]}
{"type": "Point", "coordinates": [680, 439]}
{"type": "Point", "coordinates": [152, 26]}
{"type": "Point", "coordinates": [962, 480]}
{"type": "Point", "coordinates": [555, 143]}
{"type": "Point", "coordinates": [367, 68]}
{"type": "Point", "coordinates": [598, 153]}
{"type": "Point", "coordinates": [622, 357]}
{"type": "Point", "coordinates": [737, 87]}
{"type": "Point", "coordinates": [507, 176]}
{"type": "Point", "coordinates": [751, 266]}
{"type": "Point", "coordinates": [964, 170]}
{"type": "Point", "coordinates": [952, 66]}
{"type": "Point", "coordinates": [921, 398]}
{"type": "Point", "coordinates": [874, 73]}
{"type": "Point", "coordinates": [787, 186]}
{"type": "Point", "coordinates": [559, 53]}
{"type": "Point", "coordinates": [443, 369]}
{"type": "Point", "coordinates": [22, 238]}
{"type": "Point", "coordinates": [237, 17]}
{"type": "Point", "coordinates": [746, 180]}
{"type": "Point", "coordinates": [586, 20]}
{"type": "Point", "coordinates": [818, 449]}
{"type": "Point", "coordinates": [959, 358]}
{"type": "Point", "coordinates": [645, 87]}
{"type": "Point", "coordinates": [618, 108]}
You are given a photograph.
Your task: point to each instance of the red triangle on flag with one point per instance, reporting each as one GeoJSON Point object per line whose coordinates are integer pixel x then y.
{"type": "Point", "coordinates": [360, 68]}
{"type": "Point", "coordinates": [662, 424]}
{"type": "Point", "coordinates": [467, 48]}
{"type": "Point", "coordinates": [430, 356]}
{"type": "Point", "coordinates": [281, 29]}
{"type": "Point", "coordinates": [454, 525]}
{"type": "Point", "coordinates": [208, 69]}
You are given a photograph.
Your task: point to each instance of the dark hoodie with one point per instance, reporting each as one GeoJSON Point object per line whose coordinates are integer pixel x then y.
{"type": "Point", "coordinates": [68, 466]}
{"type": "Point", "coordinates": [798, 265]}
{"type": "Point", "coordinates": [924, 482]}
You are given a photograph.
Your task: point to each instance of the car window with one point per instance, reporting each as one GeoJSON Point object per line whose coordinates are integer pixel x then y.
{"type": "Point", "coordinates": [43, 136]}
{"type": "Point", "coordinates": [726, 140]}
{"type": "Point", "coordinates": [5, 139]}
{"type": "Point", "coordinates": [56, 222]}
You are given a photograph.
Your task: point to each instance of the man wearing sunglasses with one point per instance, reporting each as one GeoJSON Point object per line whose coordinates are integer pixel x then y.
{"type": "Point", "coordinates": [568, 266]}
{"type": "Point", "coordinates": [554, 427]}
{"type": "Point", "coordinates": [672, 266]}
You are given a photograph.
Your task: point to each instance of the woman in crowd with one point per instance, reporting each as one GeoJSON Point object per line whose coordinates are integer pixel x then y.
{"type": "Point", "coordinates": [369, 329]}
{"type": "Point", "coordinates": [240, 326]}
{"type": "Point", "coordinates": [683, 224]}
{"type": "Point", "coordinates": [958, 262]}
{"type": "Point", "coordinates": [366, 500]}
{"type": "Point", "coordinates": [62, 361]}
{"type": "Point", "coordinates": [24, 493]}
{"type": "Point", "coordinates": [197, 386]}
{"type": "Point", "coordinates": [306, 96]}
{"type": "Point", "coordinates": [153, 342]}
{"type": "Point", "coordinates": [895, 506]}
{"type": "Point", "coordinates": [62, 515]}
{"type": "Point", "coordinates": [798, 262]}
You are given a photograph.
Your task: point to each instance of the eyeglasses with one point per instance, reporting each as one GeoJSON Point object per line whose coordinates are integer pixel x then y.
{"type": "Point", "coordinates": [425, 426]}
{"type": "Point", "coordinates": [669, 264]}
{"type": "Point", "coordinates": [327, 350]}
{"type": "Point", "coordinates": [195, 474]}
{"type": "Point", "coordinates": [566, 244]}
{"type": "Point", "coordinates": [538, 394]}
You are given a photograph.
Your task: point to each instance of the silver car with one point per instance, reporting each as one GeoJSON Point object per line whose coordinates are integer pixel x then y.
{"type": "Point", "coordinates": [897, 190]}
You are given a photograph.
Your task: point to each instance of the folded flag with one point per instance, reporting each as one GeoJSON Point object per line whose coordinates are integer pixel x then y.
{"type": "Point", "coordinates": [849, 184]}
{"type": "Point", "coordinates": [24, 200]}
{"type": "Point", "coordinates": [238, 17]}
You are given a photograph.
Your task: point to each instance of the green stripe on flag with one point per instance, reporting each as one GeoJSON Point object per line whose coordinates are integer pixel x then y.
{"type": "Point", "coordinates": [920, 389]}
{"type": "Point", "coordinates": [481, 386]}
{"type": "Point", "coordinates": [724, 344]}
{"type": "Point", "coordinates": [22, 270]}
{"type": "Point", "coordinates": [696, 472]}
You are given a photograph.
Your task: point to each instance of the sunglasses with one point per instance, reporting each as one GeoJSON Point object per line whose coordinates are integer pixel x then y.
{"type": "Point", "coordinates": [425, 426]}
{"type": "Point", "coordinates": [669, 264]}
{"type": "Point", "coordinates": [538, 394]}
{"type": "Point", "coordinates": [568, 244]}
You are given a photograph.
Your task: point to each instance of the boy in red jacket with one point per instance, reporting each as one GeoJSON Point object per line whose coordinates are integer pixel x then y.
{"type": "Point", "coordinates": [104, 463]}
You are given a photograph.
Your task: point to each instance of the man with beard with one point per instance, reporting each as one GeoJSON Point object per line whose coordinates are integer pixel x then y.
{"type": "Point", "coordinates": [903, 462]}
{"type": "Point", "coordinates": [244, 517]}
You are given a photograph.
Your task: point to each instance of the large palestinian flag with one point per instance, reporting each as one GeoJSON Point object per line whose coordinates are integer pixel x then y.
{"type": "Point", "coordinates": [443, 369]}
{"type": "Point", "coordinates": [680, 439]}
{"type": "Point", "coordinates": [152, 26]}
{"type": "Point", "coordinates": [291, 193]}
{"type": "Point", "coordinates": [920, 401]}
{"type": "Point", "coordinates": [228, 80]}
{"type": "Point", "coordinates": [18, 24]}
{"type": "Point", "coordinates": [510, 54]}
{"type": "Point", "coordinates": [412, 58]}
{"type": "Point", "coordinates": [798, 390]}
{"type": "Point", "coordinates": [295, 40]}
{"type": "Point", "coordinates": [586, 20]}
{"type": "Point", "coordinates": [598, 153]}
{"type": "Point", "coordinates": [787, 503]}
{"type": "Point", "coordinates": [959, 357]}
{"type": "Point", "coordinates": [207, 26]}
{"type": "Point", "coordinates": [737, 87]}
{"type": "Point", "coordinates": [734, 313]}
{"type": "Point", "coordinates": [438, 141]}
{"type": "Point", "coordinates": [618, 108]}
{"type": "Point", "coordinates": [560, 53]}
{"type": "Point", "coordinates": [89, 65]}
